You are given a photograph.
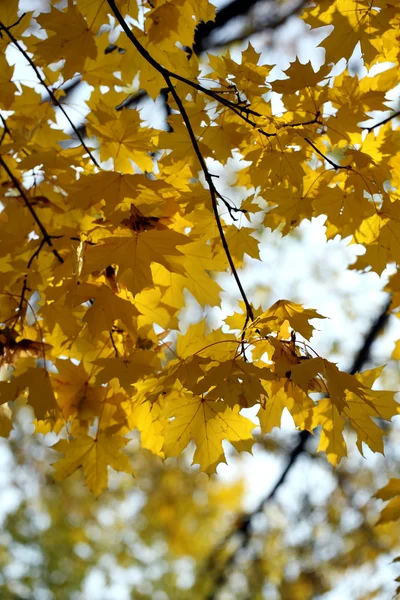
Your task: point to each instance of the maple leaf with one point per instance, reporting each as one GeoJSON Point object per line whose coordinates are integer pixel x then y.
{"type": "Point", "coordinates": [124, 140]}
{"type": "Point", "coordinates": [127, 370]}
{"type": "Point", "coordinates": [284, 312]}
{"type": "Point", "coordinates": [94, 455]}
{"type": "Point", "coordinates": [106, 307]}
{"type": "Point", "coordinates": [332, 423]}
{"type": "Point", "coordinates": [134, 253]}
{"type": "Point", "coordinates": [391, 492]}
{"type": "Point", "coordinates": [236, 382]}
{"type": "Point", "coordinates": [207, 423]}
{"type": "Point", "coordinates": [41, 395]}
{"type": "Point", "coordinates": [146, 418]}
{"type": "Point", "coordinates": [75, 391]}
{"type": "Point", "coordinates": [70, 31]}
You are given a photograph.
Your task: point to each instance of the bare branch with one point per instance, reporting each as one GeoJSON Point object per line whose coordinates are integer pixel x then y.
{"type": "Point", "coordinates": [328, 160]}
{"type": "Point", "coordinates": [204, 38]}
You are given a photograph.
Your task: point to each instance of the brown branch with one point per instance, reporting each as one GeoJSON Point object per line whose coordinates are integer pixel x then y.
{"type": "Point", "coordinates": [242, 527]}
{"type": "Point", "coordinates": [6, 130]}
{"type": "Point", "coordinates": [328, 160]}
{"type": "Point", "coordinates": [261, 26]}
{"type": "Point", "coordinates": [36, 253]}
{"type": "Point", "coordinates": [113, 344]}
{"type": "Point", "coordinates": [22, 298]}
{"type": "Point", "coordinates": [49, 91]}
{"type": "Point", "coordinates": [25, 287]}
{"type": "Point", "coordinates": [208, 177]}
{"type": "Point", "coordinates": [302, 123]}
{"type": "Point", "coordinates": [46, 237]}
{"type": "Point", "coordinates": [383, 122]}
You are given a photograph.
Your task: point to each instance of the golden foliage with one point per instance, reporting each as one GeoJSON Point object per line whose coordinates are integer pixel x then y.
{"type": "Point", "coordinates": [102, 235]}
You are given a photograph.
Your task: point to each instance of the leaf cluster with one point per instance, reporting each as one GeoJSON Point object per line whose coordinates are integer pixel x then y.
{"type": "Point", "coordinates": [106, 227]}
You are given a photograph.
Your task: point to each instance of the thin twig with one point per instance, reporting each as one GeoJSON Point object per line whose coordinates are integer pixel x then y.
{"type": "Point", "coordinates": [231, 209]}
{"type": "Point", "coordinates": [6, 130]}
{"type": "Point", "coordinates": [302, 123]}
{"type": "Point", "coordinates": [46, 237]}
{"type": "Point", "coordinates": [328, 160]}
{"type": "Point", "coordinates": [113, 344]}
{"type": "Point", "coordinates": [22, 297]}
{"type": "Point", "coordinates": [49, 91]}
{"type": "Point", "coordinates": [383, 122]}
{"type": "Point", "coordinates": [208, 177]}
{"type": "Point", "coordinates": [36, 253]}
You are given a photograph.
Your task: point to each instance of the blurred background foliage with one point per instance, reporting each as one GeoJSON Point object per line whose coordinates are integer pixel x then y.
{"type": "Point", "coordinates": [165, 536]}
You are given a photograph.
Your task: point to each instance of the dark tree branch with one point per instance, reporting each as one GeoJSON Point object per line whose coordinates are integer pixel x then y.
{"type": "Point", "coordinates": [242, 527]}
{"type": "Point", "coordinates": [262, 25]}
{"type": "Point", "coordinates": [167, 75]}
{"type": "Point", "coordinates": [6, 130]}
{"type": "Point", "coordinates": [205, 32]}
{"type": "Point", "coordinates": [328, 160]}
{"type": "Point", "coordinates": [46, 237]}
{"type": "Point", "coordinates": [49, 90]}
{"type": "Point", "coordinates": [383, 122]}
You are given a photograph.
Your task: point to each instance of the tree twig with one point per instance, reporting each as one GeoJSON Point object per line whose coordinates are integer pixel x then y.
{"type": "Point", "coordinates": [208, 177]}
{"type": "Point", "coordinates": [238, 8]}
{"type": "Point", "coordinates": [383, 122]}
{"type": "Point", "coordinates": [46, 237]}
{"type": "Point", "coordinates": [328, 160]}
{"type": "Point", "coordinates": [49, 90]}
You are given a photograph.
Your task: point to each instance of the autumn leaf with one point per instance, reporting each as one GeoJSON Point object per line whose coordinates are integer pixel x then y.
{"type": "Point", "coordinates": [94, 455]}
{"type": "Point", "coordinates": [134, 253]}
{"type": "Point", "coordinates": [207, 423]}
{"type": "Point", "coordinates": [391, 492]}
{"type": "Point", "coordinates": [69, 31]}
{"type": "Point", "coordinates": [284, 312]}
{"type": "Point", "coordinates": [139, 175]}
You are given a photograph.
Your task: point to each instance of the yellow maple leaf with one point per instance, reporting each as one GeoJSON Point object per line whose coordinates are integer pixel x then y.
{"type": "Point", "coordinates": [146, 418]}
{"type": "Point", "coordinates": [123, 138]}
{"type": "Point", "coordinates": [76, 395]}
{"type": "Point", "coordinates": [207, 423]}
{"type": "Point", "coordinates": [106, 308]}
{"type": "Point", "coordinates": [70, 31]}
{"type": "Point", "coordinates": [94, 455]}
{"type": "Point", "coordinates": [294, 314]}
{"type": "Point", "coordinates": [134, 252]}
{"type": "Point", "coordinates": [241, 242]}
{"type": "Point", "coordinates": [127, 370]}
{"type": "Point", "coordinates": [41, 395]}
{"type": "Point", "coordinates": [391, 492]}
{"type": "Point", "coordinates": [326, 415]}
